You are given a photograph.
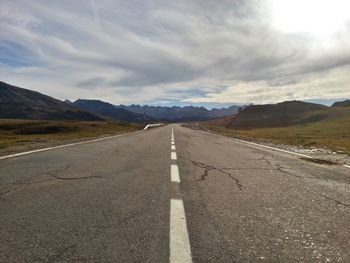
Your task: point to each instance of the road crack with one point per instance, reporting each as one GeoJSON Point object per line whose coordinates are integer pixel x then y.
{"type": "Point", "coordinates": [208, 168]}
{"type": "Point", "coordinates": [338, 202]}
{"type": "Point", "coordinates": [268, 161]}
{"type": "Point", "coordinates": [282, 169]}
{"type": "Point", "coordinates": [278, 167]}
{"type": "Point", "coordinates": [77, 178]}
{"type": "Point", "coordinates": [271, 167]}
{"type": "Point", "coordinates": [48, 177]}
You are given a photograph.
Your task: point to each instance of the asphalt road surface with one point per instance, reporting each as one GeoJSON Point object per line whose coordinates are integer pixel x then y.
{"type": "Point", "coordinates": [143, 197]}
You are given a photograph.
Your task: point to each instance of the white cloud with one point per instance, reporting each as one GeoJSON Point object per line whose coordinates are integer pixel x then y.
{"type": "Point", "coordinates": [332, 84]}
{"type": "Point", "coordinates": [149, 51]}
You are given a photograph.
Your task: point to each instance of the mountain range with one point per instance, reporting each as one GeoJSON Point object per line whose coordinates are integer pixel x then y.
{"type": "Point", "coordinates": [181, 114]}
{"type": "Point", "coordinates": [19, 103]}
{"type": "Point", "coordinates": [110, 112]}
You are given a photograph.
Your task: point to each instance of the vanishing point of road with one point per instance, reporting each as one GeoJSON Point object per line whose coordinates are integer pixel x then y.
{"type": "Point", "coordinates": [172, 194]}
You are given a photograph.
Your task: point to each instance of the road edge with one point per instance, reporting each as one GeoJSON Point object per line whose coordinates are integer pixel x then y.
{"type": "Point", "coordinates": [265, 146]}
{"type": "Point", "coordinates": [66, 145]}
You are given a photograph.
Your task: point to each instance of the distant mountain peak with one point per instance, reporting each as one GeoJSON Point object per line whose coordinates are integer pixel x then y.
{"type": "Point", "coordinates": [344, 103]}
{"type": "Point", "coordinates": [110, 111]}
{"type": "Point", "coordinates": [181, 114]}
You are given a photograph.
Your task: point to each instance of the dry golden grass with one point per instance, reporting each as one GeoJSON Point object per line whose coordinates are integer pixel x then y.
{"type": "Point", "coordinates": [332, 133]}
{"type": "Point", "coordinates": [17, 135]}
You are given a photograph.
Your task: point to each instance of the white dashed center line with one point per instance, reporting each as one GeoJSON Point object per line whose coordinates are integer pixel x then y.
{"type": "Point", "coordinates": [173, 156]}
{"type": "Point", "coordinates": [175, 176]}
{"type": "Point", "coordinates": [180, 250]}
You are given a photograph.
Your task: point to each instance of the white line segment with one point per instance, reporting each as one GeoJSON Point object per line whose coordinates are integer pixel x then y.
{"type": "Point", "coordinates": [270, 148]}
{"type": "Point", "coordinates": [173, 147]}
{"type": "Point", "coordinates": [279, 150]}
{"type": "Point", "coordinates": [180, 250]}
{"type": "Point", "coordinates": [153, 125]}
{"type": "Point", "coordinates": [174, 172]}
{"type": "Point", "coordinates": [172, 143]}
{"type": "Point", "coordinates": [173, 156]}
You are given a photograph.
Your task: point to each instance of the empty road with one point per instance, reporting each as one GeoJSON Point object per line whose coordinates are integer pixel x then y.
{"type": "Point", "coordinates": [172, 196]}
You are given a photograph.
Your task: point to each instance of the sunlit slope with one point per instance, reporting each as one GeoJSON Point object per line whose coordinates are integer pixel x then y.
{"type": "Point", "coordinates": [277, 115]}
{"type": "Point", "coordinates": [322, 127]}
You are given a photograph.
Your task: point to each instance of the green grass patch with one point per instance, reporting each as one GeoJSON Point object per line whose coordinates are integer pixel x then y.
{"type": "Point", "coordinates": [3, 145]}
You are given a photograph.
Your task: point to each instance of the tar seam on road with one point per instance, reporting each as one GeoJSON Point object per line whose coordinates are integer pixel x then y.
{"type": "Point", "coordinates": [63, 146]}
{"type": "Point", "coordinates": [180, 250]}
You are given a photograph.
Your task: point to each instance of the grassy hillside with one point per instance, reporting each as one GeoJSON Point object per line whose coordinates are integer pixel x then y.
{"type": "Point", "coordinates": [19, 103]}
{"type": "Point", "coordinates": [332, 131]}
{"type": "Point", "coordinates": [277, 115]}
{"type": "Point", "coordinates": [18, 135]}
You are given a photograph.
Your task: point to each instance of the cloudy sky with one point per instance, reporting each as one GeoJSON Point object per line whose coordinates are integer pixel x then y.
{"type": "Point", "coordinates": [178, 52]}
